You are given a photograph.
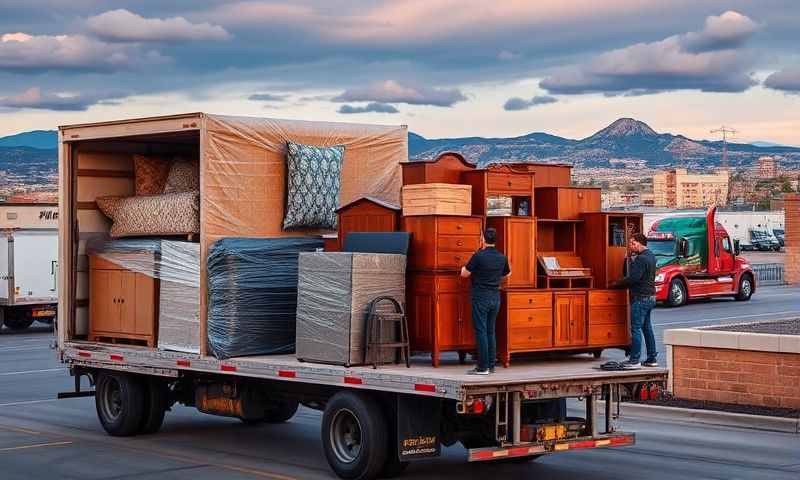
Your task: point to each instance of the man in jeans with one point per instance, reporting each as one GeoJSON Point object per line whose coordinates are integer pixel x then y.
{"type": "Point", "coordinates": [640, 280]}
{"type": "Point", "coordinates": [486, 269]}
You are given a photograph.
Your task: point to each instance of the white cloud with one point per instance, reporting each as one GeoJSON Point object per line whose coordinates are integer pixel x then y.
{"type": "Point", "coordinates": [34, 98]}
{"type": "Point", "coordinates": [787, 80]}
{"type": "Point", "coordinates": [125, 26]}
{"type": "Point", "coordinates": [391, 91]}
{"type": "Point", "coordinates": [706, 60]}
{"type": "Point", "coordinates": [21, 51]}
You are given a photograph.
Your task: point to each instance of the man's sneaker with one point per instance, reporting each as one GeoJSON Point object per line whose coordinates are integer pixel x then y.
{"type": "Point", "coordinates": [650, 363]}
{"type": "Point", "coordinates": [476, 371]}
{"type": "Point", "coordinates": [491, 369]}
{"type": "Point", "coordinates": [631, 365]}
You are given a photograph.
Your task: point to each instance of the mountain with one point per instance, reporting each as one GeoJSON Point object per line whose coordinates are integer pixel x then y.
{"type": "Point", "coordinates": [45, 139]}
{"type": "Point", "coordinates": [623, 143]}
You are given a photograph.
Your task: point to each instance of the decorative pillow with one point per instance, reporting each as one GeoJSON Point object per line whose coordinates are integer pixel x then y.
{"type": "Point", "coordinates": [166, 214]}
{"type": "Point", "coordinates": [150, 174]}
{"type": "Point", "coordinates": [312, 186]}
{"type": "Point", "coordinates": [184, 176]}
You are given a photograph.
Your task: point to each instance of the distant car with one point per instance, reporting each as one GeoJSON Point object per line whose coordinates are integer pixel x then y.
{"type": "Point", "coordinates": [763, 240]}
{"type": "Point", "coordinates": [779, 234]}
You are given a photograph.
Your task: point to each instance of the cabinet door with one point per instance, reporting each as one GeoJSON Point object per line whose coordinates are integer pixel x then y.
{"type": "Point", "coordinates": [447, 318]}
{"type": "Point", "coordinates": [104, 310]}
{"type": "Point", "coordinates": [127, 302]}
{"type": "Point", "coordinates": [578, 333]}
{"type": "Point", "coordinates": [521, 254]}
{"type": "Point", "coordinates": [563, 307]}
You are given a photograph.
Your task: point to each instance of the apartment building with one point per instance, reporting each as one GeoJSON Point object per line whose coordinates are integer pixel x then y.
{"type": "Point", "coordinates": [678, 188]}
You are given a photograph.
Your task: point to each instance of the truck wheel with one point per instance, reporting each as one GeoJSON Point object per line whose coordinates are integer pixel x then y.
{"type": "Point", "coordinates": [120, 402]}
{"type": "Point", "coordinates": [677, 295]}
{"type": "Point", "coordinates": [18, 318]}
{"type": "Point", "coordinates": [156, 399]}
{"type": "Point", "coordinates": [283, 411]}
{"type": "Point", "coordinates": [745, 289]}
{"type": "Point", "coordinates": [354, 436]}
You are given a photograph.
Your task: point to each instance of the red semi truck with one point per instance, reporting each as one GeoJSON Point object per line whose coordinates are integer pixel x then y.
{"type": "Point", "coordinates": [696, 258]}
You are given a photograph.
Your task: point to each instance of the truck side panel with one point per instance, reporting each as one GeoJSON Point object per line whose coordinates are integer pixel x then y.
{"type": "Point", "coordinates": [36, 266]}
{"type": "Point", "coordinates": [5, 273]}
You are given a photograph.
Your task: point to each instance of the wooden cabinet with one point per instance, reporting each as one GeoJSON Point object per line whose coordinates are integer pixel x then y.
{"type": "Point", "coordinates": [439, 314]}
{"type": "Point", "coordinates": [603, 243]}
{"type": "Point", "coordinates": [609, 324]}
{"type": "Point", "coordinates": [122, 303]}
{"type": "Point", "coordinates": [366, 214]}
{"type": "Point", "coordinates": [516, 238]}
{"type": "Point", "coordinates": [446, 168]}
{"type": "Point", "coordinates": [500, 181]}
{"type": "Point", "coordinates": [566, 203]}
{"type": "Point", "coordinates": [525, 323]}
{"type": "Point", "coordinates": [442, 242]}
{"type": "Point", "coordinates": [570, 327]}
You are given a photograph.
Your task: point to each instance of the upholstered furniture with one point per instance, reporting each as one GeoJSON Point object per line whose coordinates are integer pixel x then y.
{"type": "Point", "coordinates": [163, 215]}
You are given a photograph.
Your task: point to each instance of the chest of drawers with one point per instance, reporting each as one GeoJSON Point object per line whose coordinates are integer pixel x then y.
{"type": "Point", "coordinates": [441, 242]}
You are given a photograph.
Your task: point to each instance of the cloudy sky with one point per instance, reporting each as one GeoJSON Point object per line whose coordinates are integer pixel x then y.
{"type": "Point", "coordinates": [444, 67]}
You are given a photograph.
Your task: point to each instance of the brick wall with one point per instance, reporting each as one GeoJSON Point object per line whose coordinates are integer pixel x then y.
{"type": "Point", "coordinates": [743, 377]}
{"type": "Point", "coordinates": [791, 263]}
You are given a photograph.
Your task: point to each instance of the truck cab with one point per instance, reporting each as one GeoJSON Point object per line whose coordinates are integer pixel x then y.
{"type": "Point", "coordinates": [696, 258]}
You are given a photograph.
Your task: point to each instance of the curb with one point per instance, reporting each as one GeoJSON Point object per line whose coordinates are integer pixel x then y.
{"type": "Point", "coordinates": [712, 417]}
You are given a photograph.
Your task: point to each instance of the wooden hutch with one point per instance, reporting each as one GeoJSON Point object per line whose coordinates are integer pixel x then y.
{"type": "Point", "coordinates": [563, 252]}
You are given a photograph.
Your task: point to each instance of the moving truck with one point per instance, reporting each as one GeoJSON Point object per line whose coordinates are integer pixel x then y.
{"type": "Point", "coordinates": [696, 258]}
{"type": "Point", "coordinates": [28, 264]}
{"type": "Point", "coordinates": [375, 420]}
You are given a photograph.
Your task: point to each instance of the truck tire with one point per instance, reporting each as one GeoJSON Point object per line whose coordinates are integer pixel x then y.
{"type": "Point", "coordinates": [120, 402]}
{"type": "Point", "coordinates": [354, 436]}
{"type": "Point", "coordinates": [18, 318]}
{"type": "Point", "coordinates": [156, 399]}
{"type": "Point", "coordinates": [677, 294]}
{"type": "Point", "coordinates": [745, 288]}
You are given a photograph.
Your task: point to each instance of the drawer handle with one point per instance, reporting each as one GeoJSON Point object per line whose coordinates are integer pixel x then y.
{"type": "Point", "coordinates": [459, 227]}
{"type": "Point", "coordinates": [457, 257]}
{"type": "Point", "coordinates": [460, 243]}
{"type": "Point", "coordinates": [530, 318]}
{"type": "Point", "coordinates": [530, 300]}
{"type": "Point", "coordinates": [509, 183]}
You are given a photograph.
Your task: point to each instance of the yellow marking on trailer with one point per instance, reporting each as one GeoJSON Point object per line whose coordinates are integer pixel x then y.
{"type": "Point", "coordinates": [562, 446]}
{"type": "Point", "coordinates": [602, 443]}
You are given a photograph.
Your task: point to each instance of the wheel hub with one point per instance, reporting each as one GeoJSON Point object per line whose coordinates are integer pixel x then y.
{"type": "Point", "coordinates": [746, 287]}
{"type": "Point", "coordinates": [346, 436]}
{"type": "Point", "coordinates": [111, 399]}
{"type": "Point", "coordinates": [677, 293]}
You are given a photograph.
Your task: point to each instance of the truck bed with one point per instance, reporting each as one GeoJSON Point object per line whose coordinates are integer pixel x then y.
{"type": "Point", "coordinates": [545, 378]}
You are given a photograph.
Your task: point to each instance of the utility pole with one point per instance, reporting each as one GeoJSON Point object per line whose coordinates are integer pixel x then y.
{"type": "Point", "coordinates": [725, 131]}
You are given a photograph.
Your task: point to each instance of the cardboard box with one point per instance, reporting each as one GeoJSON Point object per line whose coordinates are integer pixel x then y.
{"type": "Point", "coordinates": [437, 199]}
{"type": "Point", "coordinates": [334, 293]}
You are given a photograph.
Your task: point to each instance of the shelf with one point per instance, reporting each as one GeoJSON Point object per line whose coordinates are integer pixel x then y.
{"type": "Point", "coordinates": [558, 220]}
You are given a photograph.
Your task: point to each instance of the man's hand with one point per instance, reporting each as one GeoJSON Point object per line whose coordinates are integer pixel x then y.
{"type": "Point", "coordinates": [465, 273]}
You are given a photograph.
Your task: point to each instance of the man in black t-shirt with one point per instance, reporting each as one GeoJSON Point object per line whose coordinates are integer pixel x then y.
{"type": "Point", "coordinates": [486, 269]}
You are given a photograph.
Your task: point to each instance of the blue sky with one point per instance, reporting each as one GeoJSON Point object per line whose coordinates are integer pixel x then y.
{"type": "Point", "coordinates": [443, 67]}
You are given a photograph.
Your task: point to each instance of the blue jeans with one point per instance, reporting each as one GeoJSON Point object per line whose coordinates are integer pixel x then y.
{"type": "Point", "coordinates": [642, 324]}
{"type": "Point", "coordinates": [485, 306]}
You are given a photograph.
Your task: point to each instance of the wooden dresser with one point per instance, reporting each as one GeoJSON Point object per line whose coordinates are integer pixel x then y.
{"type": "Point", "coordinates": [500, 181]}
{"type": "Point", "coordinates": [442, 242]}
{"type": "Point", "coordinates": [123, 303]}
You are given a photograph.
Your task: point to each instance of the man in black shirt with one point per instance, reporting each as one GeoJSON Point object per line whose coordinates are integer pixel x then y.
{"type": "Point", "coordinates": [486, 269]}
{"type": "Point", "coordinates": [640, 281]}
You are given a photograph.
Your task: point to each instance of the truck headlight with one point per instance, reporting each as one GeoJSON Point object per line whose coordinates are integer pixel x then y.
{"type": "Point", "coordinates": [660, 278]}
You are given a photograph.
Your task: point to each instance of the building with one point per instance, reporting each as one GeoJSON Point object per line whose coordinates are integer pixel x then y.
{"type": "Point", "coordinates": [618, 199]}
{"type": "Point", "coordinates": [678, 188]}
{"type": "Point", "coordinates": [767, 167]}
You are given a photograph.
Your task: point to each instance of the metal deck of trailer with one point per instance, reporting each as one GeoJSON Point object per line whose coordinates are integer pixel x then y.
{"type": "Point", "coordinates": [565, 376]}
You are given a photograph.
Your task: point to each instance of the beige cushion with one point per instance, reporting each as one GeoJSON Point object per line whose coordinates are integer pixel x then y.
{"type": "Point", "coordinates": [184, 176]}
{"type": "Point", "coordinates": [167, 214]}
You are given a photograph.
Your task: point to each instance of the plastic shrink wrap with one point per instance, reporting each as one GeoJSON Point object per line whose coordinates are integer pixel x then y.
{"type": "Point", "coordinates": [252, 295]}
{"type": "Point", "coordinates": [334, 293]}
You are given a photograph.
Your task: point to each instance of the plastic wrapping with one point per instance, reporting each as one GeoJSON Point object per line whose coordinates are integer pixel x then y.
{"type": "Point", "coordinates": [177, 265]}
{"type": "Point", "coordinates": [334, 293]}
{"type": "Point", "coordinates": [252, 294]}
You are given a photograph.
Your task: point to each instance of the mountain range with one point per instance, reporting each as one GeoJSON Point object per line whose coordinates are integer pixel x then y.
{"type": "Point", "coordinates": [625, 143]}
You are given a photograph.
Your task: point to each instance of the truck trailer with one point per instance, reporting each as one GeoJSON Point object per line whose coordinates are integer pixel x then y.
{"type": "Point", "coordinates": [375, 420]}
{"type": "Point", "coordinates": [28, 276]}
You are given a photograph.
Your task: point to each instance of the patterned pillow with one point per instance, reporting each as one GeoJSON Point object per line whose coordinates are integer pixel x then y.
{"type": "Point", "coordinates": [184, 176]}
{"type": "Point", "coordinates": [312, 186]}
{"type": "Point", "coordinates": [166, 214]}
{"type": "Point", "coordinates": [150, 174]}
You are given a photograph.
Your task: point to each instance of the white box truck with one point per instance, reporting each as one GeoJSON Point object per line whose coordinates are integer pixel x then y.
{"type": "Point", "coordinates": [28, 265]}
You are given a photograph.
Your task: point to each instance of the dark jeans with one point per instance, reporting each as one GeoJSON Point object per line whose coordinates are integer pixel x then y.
{"type": "Point", "coordinates": [642, 325]}
{"type": "Point", "coordinates": [485, 306]}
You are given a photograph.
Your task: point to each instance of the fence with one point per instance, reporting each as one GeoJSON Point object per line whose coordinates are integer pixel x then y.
{"type": "Point", "coordinates": [769, 273]}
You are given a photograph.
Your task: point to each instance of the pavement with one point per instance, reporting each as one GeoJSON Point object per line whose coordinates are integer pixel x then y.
{"type": "Point", "coordinates": [41, 437]}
